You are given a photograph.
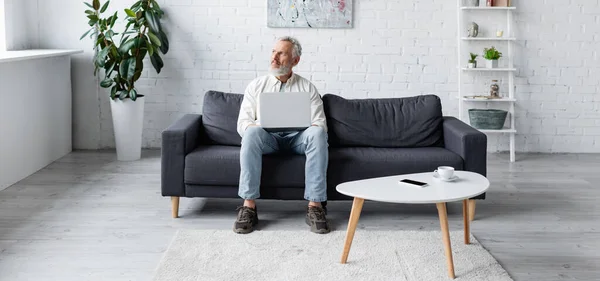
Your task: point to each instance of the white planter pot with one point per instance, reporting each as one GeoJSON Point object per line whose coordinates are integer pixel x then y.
{"type": "Point", "coordinates": [491, 63]}
{"type": "Point", "coordinates": [472, 3]}
{"type": "Point", "coordinates": [472, 65]}
{"type": "Point", "coordinates": [128, 120]}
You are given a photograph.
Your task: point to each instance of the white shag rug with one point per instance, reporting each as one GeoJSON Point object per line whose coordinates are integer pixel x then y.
{"type": "Point", "coordinates": [206, 255]}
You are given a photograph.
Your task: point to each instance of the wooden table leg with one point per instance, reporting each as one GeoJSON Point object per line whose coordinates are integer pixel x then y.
{"type": "Point", "coordinates": [446, 237]}
{"type": "Point", "coordinates": [354, 215]}
{"type": "Point", "coordinates": [466, 220]}
{"type": "Point", "coordinates": [472, 209]}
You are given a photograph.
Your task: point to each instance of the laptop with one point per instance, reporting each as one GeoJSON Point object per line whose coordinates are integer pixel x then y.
{"type": "Point", "coordinates": [284, 111]}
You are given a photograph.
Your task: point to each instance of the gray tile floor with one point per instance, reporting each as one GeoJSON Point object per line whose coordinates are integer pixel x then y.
{"type": "Point", "coordinates": [90, 217]}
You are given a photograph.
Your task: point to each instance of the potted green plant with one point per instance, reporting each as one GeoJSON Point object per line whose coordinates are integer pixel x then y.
{"type": "Point", "coordinates": [472, 61]}
{"type": "Point", "coordinates": [491, 55]}
{"type": "Point", "coordinates": [121, 55]}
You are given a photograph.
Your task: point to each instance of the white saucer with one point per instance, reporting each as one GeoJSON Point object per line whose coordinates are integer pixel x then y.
{"type": "Point", "coordinates": [436, 176]}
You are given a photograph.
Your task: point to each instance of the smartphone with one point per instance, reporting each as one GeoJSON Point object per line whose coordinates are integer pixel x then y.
{"type": "Point", "coordinates": [417, 183]}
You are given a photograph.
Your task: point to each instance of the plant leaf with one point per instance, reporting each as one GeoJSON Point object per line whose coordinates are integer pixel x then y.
{"type": "Point", "coordinates": [88, 4]}
{"type": "Point", "coordinates": [157, 62]}
{"type": "Point", "coordinates": [90, 12]}
{"type": "Point", "coordinates": [113, 92]}
{"type": "Point", "coordinates": [125, 47]}
{"type": "Point", "coordinates": [152, 22]}
{"type": "Point", "coordinates": [137, 75]}
{"type": "Point", "coordinates": [154, 39]}
{"type": "Point", "coordinates": [150, 49]}
{"type": "Point", "coordinates": [100, 39]}
{"type": "Point", "coordinates": [143, 51]}
{"type": "Point", "coordinates": [159, 12]}
{"type": "Point", "coordinates": [164, 47]}
{"type": "Point", "coordinates": [155, 4]}
{"type": "Point", "coordinates": [133, 94]}
{"type": "Point", "coordinates": [136, 5]}
{"type": "Point", "coordinates": [123, 95]}
{"type": "Point", "coordinates": [104, 7]}
{"type": "Point", "coordinates": [106, 83]}
{"type": "Point", "coordinates": [96, 4]}
{"type": "Point", "coordinates": [110, 69]}
{"type": "Point", "coordinates": [86, 33]}
{"type": "Point", "coordinates": [139, 65]}
{"type": "Point", "coordinates": [131, 68]}
{"type": "Point", "coordinates": [124, 39]}
{"type": "Point", "coordinates": [101, 57]}
{"type": "Point", "coordinates": [93, 17]}
{"type": "Point", "coordinates": [130, 13]}
{"type": "Point", "coordinates": [114, 52]}
{"type": "Point", "coordinates": [123, 68]}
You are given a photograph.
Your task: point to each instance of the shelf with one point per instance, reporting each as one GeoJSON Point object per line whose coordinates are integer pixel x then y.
{"type": "Point", "coordinates": [489, 8]}
{"type": "Point", "coordinates": [469, 97]}
{"type": "Point", "coordinates": [488, 69]}
{"type": "Point", "coordinates": [489, 38]}
{"type": "Point", "coordinates": [489, 100]}
{"type": "Point", "coordinates": [512, 131]}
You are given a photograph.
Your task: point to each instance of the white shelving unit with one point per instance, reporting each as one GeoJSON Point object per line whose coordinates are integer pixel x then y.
{"type": "Point", "coordinates": [508, 71]}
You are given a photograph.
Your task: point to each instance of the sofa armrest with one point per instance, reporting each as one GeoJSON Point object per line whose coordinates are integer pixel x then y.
{"type": "Point", "coordinates": [178, 140]}
{"type": "Point", "coordinates": [467, 142]}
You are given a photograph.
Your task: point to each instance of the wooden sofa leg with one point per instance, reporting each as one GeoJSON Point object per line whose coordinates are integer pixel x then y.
{"type": "Point", "coordinates": [471, 210]}
{"type": "Point", "coordinates": [175, 206]}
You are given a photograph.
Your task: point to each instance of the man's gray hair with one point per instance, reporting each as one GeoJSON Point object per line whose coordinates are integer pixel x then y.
{"type": "Point", "coordinates": [297, 49]}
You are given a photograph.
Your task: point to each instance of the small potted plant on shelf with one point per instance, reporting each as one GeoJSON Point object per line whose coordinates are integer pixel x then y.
{"type": "Point", "coordinates": [472, 61]}
{"type": "Point", "coordinates": [491, 55]}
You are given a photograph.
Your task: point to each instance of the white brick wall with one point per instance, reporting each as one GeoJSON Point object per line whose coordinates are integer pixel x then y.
{"type": "Point", "coordinates": [396, 49]}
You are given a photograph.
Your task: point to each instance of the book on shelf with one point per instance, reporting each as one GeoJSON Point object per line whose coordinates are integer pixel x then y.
{"type": "Point", "coordinates": [481, 97]}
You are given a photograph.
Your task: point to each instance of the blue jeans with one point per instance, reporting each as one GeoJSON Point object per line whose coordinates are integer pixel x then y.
{"type": "Point", "coordinates": [312, 142]}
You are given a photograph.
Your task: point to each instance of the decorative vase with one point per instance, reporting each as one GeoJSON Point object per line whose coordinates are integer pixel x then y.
{"type": "Point", "coordinates": [128, 120]}
{"type": "Point", "coordinates": [473, 30]}
{"type": "Point", "coordinates": [472, 3]}
{"type": "Point", "coordinates": [472, 65]}
{"type": "Point", "coordinates": [491, 63]}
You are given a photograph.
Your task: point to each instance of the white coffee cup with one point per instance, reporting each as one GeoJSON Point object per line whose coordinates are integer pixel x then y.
{"type": "Point", "coordinates": [445, 172]}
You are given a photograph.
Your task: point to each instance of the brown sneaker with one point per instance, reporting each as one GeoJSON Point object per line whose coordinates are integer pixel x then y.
{"type": "Point", "coordinates": [315, 217]}
{"type": "Point", "coordinates": [246, 220]}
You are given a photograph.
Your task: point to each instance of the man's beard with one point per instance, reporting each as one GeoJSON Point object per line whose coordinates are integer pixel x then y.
{"type": "Point", "coordinates": [282, 70]}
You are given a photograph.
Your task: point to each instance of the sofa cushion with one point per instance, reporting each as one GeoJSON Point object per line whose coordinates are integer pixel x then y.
{"type": "Point", "coordinates": [220, 165]}
{"type": "Point", "coordinates": [220, 112]}
{"type": "Point", "coordinates": [390, 122]}
{"type": "Point", "coordinates": [356, 163]}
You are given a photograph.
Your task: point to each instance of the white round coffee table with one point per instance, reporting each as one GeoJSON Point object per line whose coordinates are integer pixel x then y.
{"type": "Point", "coordinates": [389, 189]}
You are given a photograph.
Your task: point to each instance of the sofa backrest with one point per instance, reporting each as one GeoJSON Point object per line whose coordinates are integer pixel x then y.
{"type": "Point", "coordinates": [220, 112]}
{"type": "Point", "coordinates": [390, 122]}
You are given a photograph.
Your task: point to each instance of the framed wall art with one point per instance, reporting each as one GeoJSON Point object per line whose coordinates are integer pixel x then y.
{"type": "Point", "coordinates": [309, 13]}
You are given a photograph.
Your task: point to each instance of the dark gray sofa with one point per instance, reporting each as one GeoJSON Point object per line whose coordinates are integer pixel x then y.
{"type": "Point", "coordinates": [367, 138]}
